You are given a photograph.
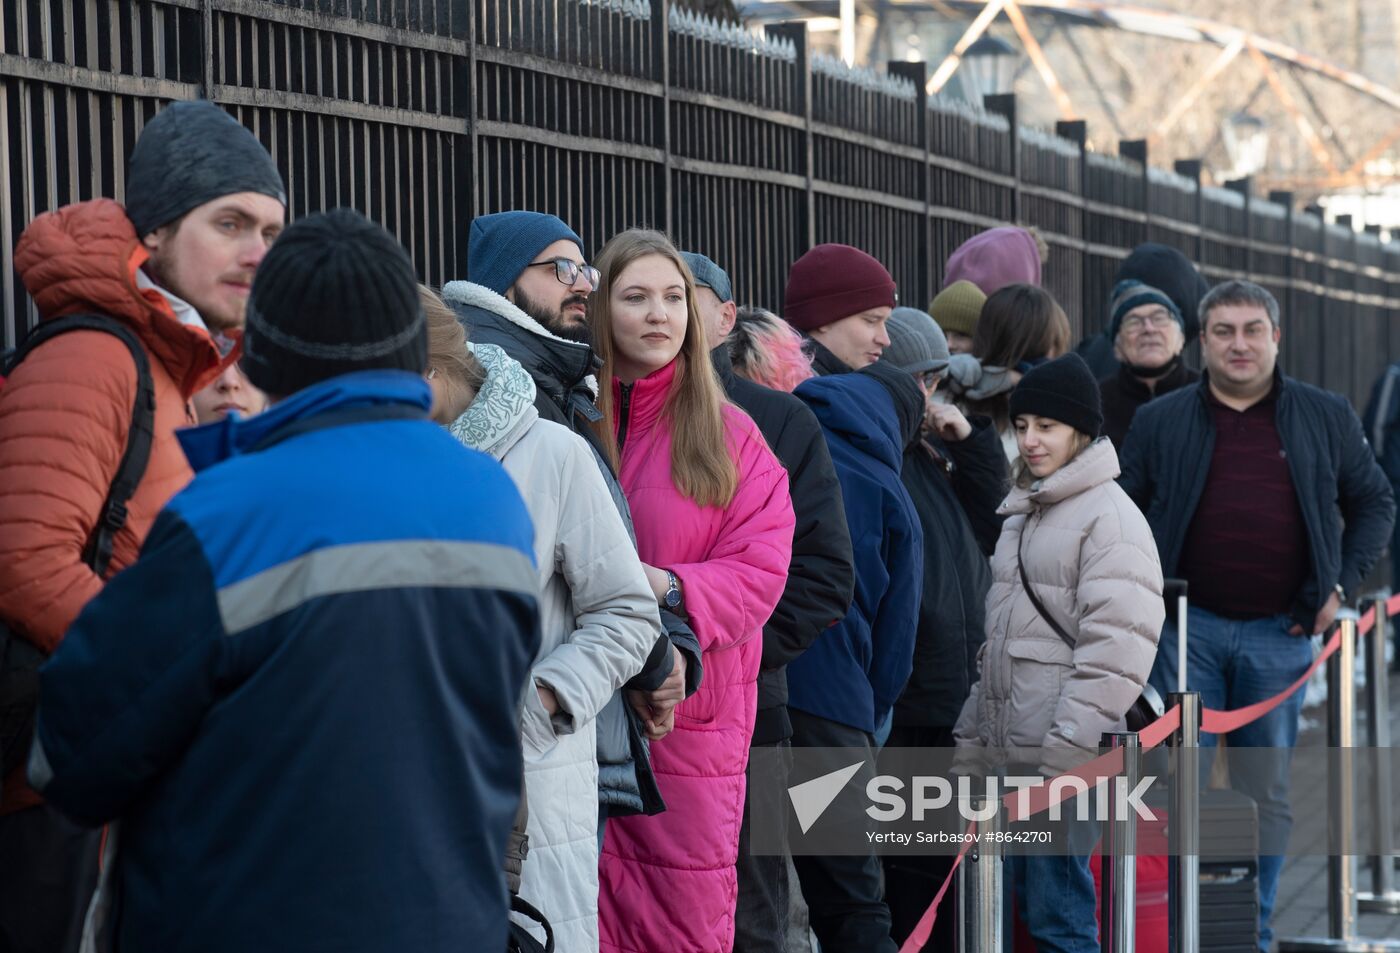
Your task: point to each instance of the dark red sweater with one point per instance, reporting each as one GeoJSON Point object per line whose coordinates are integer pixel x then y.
{"type": "Point", "coordinates": [1246, 553]}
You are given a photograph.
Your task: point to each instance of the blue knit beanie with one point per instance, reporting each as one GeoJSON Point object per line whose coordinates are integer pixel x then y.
{"type": "Point", "coordinates": [503, 244]}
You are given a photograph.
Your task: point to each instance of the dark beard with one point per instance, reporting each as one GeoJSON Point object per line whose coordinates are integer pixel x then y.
{"type": "Point", "coordinates": [553, 320]}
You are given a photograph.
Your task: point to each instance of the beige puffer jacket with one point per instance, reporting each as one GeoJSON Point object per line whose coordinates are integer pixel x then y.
{"type": "Point", "coordinates": [1091, 559]}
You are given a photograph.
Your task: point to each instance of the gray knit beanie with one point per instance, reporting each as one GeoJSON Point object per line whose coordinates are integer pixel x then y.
{"type": "Point", "coordinates": [193, 152]}
{"type": "Point", "coordinates": [917, 343]}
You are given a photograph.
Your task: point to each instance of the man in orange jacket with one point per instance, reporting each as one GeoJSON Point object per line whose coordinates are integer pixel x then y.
{"type": "Point", "coordinates": [204, 201]}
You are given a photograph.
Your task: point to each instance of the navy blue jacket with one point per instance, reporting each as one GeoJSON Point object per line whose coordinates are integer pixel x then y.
{"type": "Point", "coordinates": [854, 672]}
{"type": "Point", "coordinates": [1346, 500]}
{"type": "Point", "coordinates": [301, 700]}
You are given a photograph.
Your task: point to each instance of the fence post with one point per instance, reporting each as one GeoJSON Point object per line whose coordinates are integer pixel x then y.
{"type": "Point", "coordinates": [466, 153]}
{"type": "Point", "coordinates": [1184, 820]}
{"type": "Point", "coordinates": [917, 73]}
{"type": "Point", "coordinates": [1077, 132]}
{"type": "Point", "coordinates": [1118, 855]}
{"type": "Point", "coordinates": [796, 33]}
{"type": "Point", "coordinates": [1191, 169]}
{"type": "Point", "coordinates": [206, 47]}
{"type": "Point", "coordinates": [1136, 149]}
{"type": "Point", "coordinates": [1383, 897]}
{"type": "Point", "coordinates": [1290, 295]}
{"type": "Point", "coordinates": [1245, 187]}
{"type": "Point", "coordinates": [661, 73]}
{"type": "Point", "coordinates": [1349, 258]}
{"type": "Point", "coordinates": [979, 886]}
{"type": "Point", "coordinates": [1004, 104]}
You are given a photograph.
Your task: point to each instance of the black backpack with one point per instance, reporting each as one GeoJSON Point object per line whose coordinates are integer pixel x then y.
{"type": "Point", "coordinates": [19, 658]}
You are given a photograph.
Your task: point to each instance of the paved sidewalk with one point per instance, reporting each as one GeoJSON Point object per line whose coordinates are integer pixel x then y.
{"type": "Point", "coordinates": [1301, 910]}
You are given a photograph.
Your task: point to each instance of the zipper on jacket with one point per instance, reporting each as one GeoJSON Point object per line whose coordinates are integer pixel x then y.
{"type": "Point", "coordinates": [624, 410]}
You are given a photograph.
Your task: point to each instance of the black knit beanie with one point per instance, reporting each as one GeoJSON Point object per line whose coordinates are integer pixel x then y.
{"type": "Point", "coordinates": [1063, 389]}
{"type": "Point", "coordinates": [193, 152]}
{"type": "Point", "coordinates": [1167, 269]}
{"type": "Point", "coordinates": [336, 293]}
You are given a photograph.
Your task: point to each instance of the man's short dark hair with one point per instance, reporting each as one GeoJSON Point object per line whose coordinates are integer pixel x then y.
{"type": "Point", "coordinates": [1240, 293]}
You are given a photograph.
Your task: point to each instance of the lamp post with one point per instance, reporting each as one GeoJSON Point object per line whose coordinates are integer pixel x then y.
{"type": "Point", "coordinates": [1246, 139]}
{"type": "Point", "coordinates": [988, 68]}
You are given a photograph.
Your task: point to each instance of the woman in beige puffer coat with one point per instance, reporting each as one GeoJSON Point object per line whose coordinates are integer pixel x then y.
{"type": "Point", "coordinates": [1090, 557]}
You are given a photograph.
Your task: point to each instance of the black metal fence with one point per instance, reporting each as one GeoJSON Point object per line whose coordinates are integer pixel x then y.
{"type": "Point", "coordinates": [425, 113]}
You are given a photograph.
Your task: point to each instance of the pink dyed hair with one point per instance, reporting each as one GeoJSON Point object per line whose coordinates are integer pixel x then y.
{"type": "Point", "coordinates": [765, 349]}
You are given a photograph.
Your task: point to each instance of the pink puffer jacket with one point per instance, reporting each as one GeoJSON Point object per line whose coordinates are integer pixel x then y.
{"type": "Point", "coordinates": [668, 881]}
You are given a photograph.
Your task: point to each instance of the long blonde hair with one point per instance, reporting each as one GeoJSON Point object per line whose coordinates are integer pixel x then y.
{"type": "Point", "coordinates": [701, 465]}
{"type": "Point", "coordinates": [462, 375]}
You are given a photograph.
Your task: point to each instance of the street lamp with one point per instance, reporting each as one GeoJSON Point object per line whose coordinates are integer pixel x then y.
{"type": "Point", "coordinates": [1246, 138]}
{"type": "Point", "coordinates": [988, 68]}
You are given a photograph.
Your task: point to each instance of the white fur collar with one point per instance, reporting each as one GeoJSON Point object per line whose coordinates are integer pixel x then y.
{"type": "Point", "coordinates": [479, 296]}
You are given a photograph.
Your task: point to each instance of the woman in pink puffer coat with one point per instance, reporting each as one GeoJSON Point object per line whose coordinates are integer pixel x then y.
{"type": "Point", "coordinates": [714, 529]}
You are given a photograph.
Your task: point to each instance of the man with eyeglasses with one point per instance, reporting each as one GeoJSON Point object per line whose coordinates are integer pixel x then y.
{"type": "Point", "coordinates": [1263, 495]}
{"type": "Point", "coordinates": [528, 295]}
{"type": "Point", "coordinates": [1148, 334]}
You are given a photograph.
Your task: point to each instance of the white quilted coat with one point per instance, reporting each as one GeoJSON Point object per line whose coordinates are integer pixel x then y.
{"type": "Point", "coordinates": [598, 619]}
{"type": "Point", "coordinates": [1090, 556]}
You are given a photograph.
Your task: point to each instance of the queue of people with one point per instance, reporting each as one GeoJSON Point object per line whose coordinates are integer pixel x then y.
{"type": "Point", "coordinates": [425, 616]}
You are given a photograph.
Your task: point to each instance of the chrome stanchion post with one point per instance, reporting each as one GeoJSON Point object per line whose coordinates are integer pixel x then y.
{"type": "Point", "coordinates": [1341, 804]}
{"type": "Point", "coordinates": [980, 888]}
{"type": "Point", "coordinates": [1184, 827]}
{"type": "Point", "coordinates": [1383, 897]}
{"type": "Point", "coordinates": [1118, 854]}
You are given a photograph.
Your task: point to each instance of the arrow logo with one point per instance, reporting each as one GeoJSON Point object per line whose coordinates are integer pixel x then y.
{"type": "Point", "coordinates": [810, 799]}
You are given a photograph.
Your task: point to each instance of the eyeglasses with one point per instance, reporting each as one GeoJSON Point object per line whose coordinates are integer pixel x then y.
{"type": "Point", "coordinates": [567, 272]}
{"type": "Point", "coordinates": [930, 379]}
{"type": "Point", "coordinates": [1158, 320]}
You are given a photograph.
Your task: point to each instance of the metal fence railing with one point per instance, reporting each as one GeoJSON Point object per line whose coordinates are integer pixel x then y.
{"type": "Point", "coordinates": [611, 113]}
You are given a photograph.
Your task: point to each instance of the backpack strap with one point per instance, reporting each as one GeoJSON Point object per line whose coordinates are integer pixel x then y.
{"type": "Point", "coordinates": [139, 436]}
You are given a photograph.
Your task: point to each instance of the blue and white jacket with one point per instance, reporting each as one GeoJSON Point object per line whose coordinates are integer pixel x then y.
{"type": "Point", "coordinates": [302, 701]}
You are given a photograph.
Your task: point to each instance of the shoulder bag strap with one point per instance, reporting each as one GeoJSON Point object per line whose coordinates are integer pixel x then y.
{"type": "Point", "coordinates": [1030, 593]}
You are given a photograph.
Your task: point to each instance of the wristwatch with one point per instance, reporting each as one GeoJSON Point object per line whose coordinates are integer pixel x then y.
{"type": "Point", "coordinates": [672, 599]}
{"type": "Point", "coordinates": [1341, 593]}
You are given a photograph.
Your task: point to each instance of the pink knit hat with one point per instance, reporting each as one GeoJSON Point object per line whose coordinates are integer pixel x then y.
{"type": "Point", "coordinates": [994, 259]}
{"type": "Point", "coordinates": [832, 282]}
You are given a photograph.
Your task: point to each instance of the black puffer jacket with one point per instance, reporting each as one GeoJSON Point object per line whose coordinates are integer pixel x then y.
{"type": "Point", "coordinates": [821, 577]}
{"type": "Point", "coordinates": [1344, 496]}
{"type": "Point", "coordinates": [956, 489]}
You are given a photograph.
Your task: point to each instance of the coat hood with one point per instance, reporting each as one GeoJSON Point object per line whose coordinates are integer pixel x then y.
{"type": "Point", "coordinates": [213, 443]}
{"type": "Point", "coordinates": [1097, 463]}
{"type": "Point", "coordinates": [859, 409]}
{"type": "Point", "coordinates": [541, 351]}
{"type": "Point", "coordinates": [502, 410]}
{"type": "Point", "coordinates": [83, 259]}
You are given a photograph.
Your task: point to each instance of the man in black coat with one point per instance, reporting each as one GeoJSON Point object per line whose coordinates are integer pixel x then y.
{"type": "Point", "coordinates": [955, 473]}
{"type": "Point", "coordinates": [821, 583]}
{"type": "Point", "coordinates": [1162, 267]}
{"type": "Point", "coordinates": [1152, 317]}
{"type": "Point", "coordinates": [1263, 495]}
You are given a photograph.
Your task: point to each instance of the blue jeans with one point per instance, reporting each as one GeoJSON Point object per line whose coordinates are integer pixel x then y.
{"type": "Point", "coordinates": [1054, 895]}
{"type": "Point", "coordinates": [1232, 664]}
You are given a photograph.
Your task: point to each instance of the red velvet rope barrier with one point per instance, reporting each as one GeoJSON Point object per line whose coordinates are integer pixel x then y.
{"type": "Point", "coordinates": [1212, 721]}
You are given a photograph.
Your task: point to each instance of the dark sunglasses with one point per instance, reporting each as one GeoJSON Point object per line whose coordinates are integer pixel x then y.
{"type": "Point", "coordinates": [567, 272]}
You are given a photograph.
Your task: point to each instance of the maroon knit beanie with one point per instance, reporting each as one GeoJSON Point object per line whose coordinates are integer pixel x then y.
{"type": "Point", "coordinates": [832, 282]}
